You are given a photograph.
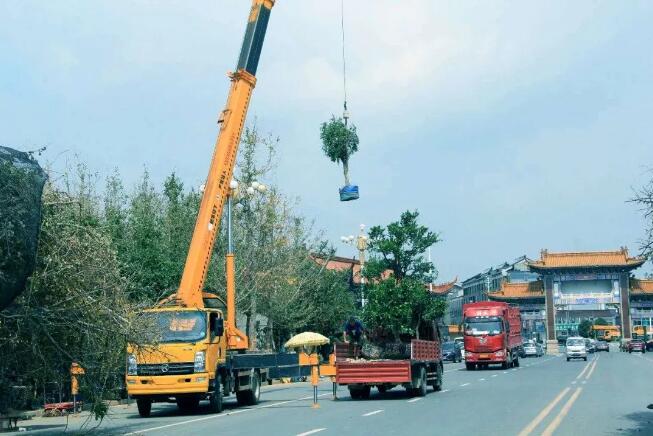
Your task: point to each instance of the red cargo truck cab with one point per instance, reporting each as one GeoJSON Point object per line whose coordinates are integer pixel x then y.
{"type": "Point", "coordinates": [492, 332]}
{"type": "Point", "coordinates": [423, 369]}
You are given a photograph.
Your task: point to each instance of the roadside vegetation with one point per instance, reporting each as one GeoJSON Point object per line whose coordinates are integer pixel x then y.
{"type": "Point", "coordinates": [106, 251]}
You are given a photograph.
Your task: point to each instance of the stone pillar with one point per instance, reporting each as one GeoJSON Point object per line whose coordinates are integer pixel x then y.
{"type": "Point", "coordinates": [552, 341]}
{"type": "Point", "coordinates": [624, 291]}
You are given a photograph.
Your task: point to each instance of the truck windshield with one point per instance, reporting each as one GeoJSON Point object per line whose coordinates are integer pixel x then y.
{"type": "Point", "coordinates": [479, 326]}
{"type": "Point", "coordinates": [183, 326]}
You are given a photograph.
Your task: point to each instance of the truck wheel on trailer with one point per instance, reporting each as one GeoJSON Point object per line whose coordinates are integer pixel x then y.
{"type": "Point", "coordinates": [359, 393]}
{"type": "Point", "coordinates": [437, 384]}
{"type": "Point", "coordinates": [144, 407]}
{"type": "Point", "coordinates": [251, 396]}
{"type": "Point", "coordinates": [420, 391]}
{"type": "Point", "coordinates": [515, 363]}
{"type": "Point", "coordinates": [470, 366]}
{"type": "Point", "coordinates": [215, 400]}
{"type": "Point", "coordinates": [382, 389]}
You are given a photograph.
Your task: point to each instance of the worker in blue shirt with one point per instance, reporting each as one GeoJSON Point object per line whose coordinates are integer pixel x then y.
{"type": "Point", "coordinates": [353, 334]}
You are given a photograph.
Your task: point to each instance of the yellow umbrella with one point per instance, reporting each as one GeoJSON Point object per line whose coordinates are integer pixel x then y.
{"type": "Point", "coordinates": [306, 339]}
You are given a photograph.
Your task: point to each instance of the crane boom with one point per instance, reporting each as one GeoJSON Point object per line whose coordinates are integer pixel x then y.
{"type": "Point", "coordinates": [231, 122]}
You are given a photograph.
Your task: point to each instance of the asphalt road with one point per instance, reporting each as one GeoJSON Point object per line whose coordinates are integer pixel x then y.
{"type": "Point", "coordinates": [605, 396]}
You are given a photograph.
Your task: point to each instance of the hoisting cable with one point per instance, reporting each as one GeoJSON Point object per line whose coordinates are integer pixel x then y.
{"type": "Point", "coordinates": [345, 114]}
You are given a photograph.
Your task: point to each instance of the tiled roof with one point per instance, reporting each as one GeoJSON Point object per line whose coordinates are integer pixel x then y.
{"type": "Point", "coordinates": [638, 286]}
{"type": "Point", "coordinates": [442, 288]}
{"type": "Point", "coordinates": [512, 291]}
{"type": "Point", "coordinates": [586, 259]}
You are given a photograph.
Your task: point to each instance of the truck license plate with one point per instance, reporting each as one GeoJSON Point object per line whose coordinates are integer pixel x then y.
{"type": "Point", "coordinates": [484, 356]}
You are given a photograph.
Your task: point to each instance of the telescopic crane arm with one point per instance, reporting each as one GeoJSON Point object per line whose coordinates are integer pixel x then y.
{"type": "Point", "coordinates": [216, 191]}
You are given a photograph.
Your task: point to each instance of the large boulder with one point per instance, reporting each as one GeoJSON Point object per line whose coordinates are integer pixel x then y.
{"type": "Point", "coordinates": [21, 187]}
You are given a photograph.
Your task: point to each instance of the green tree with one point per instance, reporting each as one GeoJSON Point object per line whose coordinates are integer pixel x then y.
{"type": "Point", "coordinates": [585, 328]}
{"type": "Point", "coordinates": [339, 142]}
{"type": "Point", "coordinates": [400, 247]}
{"type": "Point", "coordinates": [401, 303]}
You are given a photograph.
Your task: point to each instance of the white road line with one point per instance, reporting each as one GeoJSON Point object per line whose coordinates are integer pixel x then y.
{"type": "Point", "coordinates": [446, 390]}
{"type": "Point", "coordinates": [505, 372]}
{"type": "Point", "coordinates": [481, 379]}
{"type": "Point", "coordinates": [413, 400]}
{"type": "Point", "coordinates": [190, 421]}
{"type": "Point", "coordinates": [204, 418]}
{"type": "Point", "coordinates": [317, 430]}
{"type": "Point", "coordinates": [494, 375]}
{"type": "Point", "coordinates": [373, 413]}
{"type": "Point", "coordinates": [464, 384]}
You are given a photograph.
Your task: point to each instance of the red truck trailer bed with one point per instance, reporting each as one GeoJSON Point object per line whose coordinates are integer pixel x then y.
{"type": "Point", "coordinates": [415, 374]}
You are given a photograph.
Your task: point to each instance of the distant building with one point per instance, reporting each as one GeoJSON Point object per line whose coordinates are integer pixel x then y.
{"type": "Point", "coordinates": [453, 293]}
{"type": "Point", "coordinates": [573, 287]}
{"type": "Point", "coordinates": [478, 286]}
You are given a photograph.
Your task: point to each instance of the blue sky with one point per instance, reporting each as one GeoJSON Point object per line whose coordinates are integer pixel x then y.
{"type": "Point", "coordinates": [511, 126]}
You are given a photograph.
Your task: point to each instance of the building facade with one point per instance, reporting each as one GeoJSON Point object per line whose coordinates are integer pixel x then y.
{"type": "Point", "coordinates": [572, 287]}
{"type": "Point", "coordinates": [477, 287]}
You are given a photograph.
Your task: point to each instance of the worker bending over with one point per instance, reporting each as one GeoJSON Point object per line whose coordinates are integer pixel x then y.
{"type": "Point", "coordinates": [353, 334]}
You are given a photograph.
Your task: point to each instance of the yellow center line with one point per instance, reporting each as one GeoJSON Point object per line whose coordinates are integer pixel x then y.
{"type": "Point", "coordinates": [583, 371]}
{"type": "Point", "coordinates": [543, 414]}
{"type": "Point", "coordinates": [589, 374]}
{"type": "Point", "coordinates": [563, 412]}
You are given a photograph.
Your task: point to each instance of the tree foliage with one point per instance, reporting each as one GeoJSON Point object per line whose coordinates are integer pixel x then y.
{"type": "Point", "coordinates": [339, 142]}
{"type": "Point", "coordinates": [585, 328]}
{"type": "Point", "coordinates": [400, 303]}
{"type": "Point", "coordinates": [643, 198]}
{"type": "Point", "coordinates": [400, 248]}
{"type": "Point", "coordinates": [104, 257]}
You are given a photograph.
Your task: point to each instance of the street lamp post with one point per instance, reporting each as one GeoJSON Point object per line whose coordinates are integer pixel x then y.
{"type": "Point", "coordinates": [231, 263]}
{"type": "Point", "coordinates": [361, 244]}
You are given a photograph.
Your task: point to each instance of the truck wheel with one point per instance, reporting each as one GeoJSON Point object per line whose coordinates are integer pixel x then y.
{"type": "Point", "coordinates": [365, 392]}
{"type": "Point", "coordinates": [144, 407]}
{"type": "Point", "coordinates": [354, 393]}
{"type": "Point", "coordinates": [382, 389]}
{"type": "Point", "coordinates": [215, 400]}
{"type": "Point", "coordinates": [251, 396]}
{"type": "Point", "coordinates": [437, 385]}
{"type": "Point", "coordinates": [470, 366]}
{"type": "Point", "coordinates": [420, 391]}
{"type": "Point", "coordinates": [515, 363]}
{"type": "Point", "coordinates": [504, 365]}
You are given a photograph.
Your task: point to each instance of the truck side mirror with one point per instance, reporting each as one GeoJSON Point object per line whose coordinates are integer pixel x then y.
{"type": "Point", "coordinates": [218, 327]}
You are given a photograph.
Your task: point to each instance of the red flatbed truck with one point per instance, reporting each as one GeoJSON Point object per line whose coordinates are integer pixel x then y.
{"type": "Point", "coordinates": [423, 369]}
{"type": "Point", "coordinates": [492, 332]}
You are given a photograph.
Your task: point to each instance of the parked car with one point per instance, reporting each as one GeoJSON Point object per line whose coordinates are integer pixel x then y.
{"type": "Point", "coordinates": [575, 348]}
{"type": "Point", "coordinates": [451, 352]}
{"type": "Point", "coordinates": [532, 348]}
{"type": "Point", "coordinates": [602, 346]}
{"type": "Point", "coordinates": [637, 345]}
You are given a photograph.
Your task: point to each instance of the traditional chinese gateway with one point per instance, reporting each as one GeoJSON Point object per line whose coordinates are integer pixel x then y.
{"type": "Point", "coordinates": [575, 286]}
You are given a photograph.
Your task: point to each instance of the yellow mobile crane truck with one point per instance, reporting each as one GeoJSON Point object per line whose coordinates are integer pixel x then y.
{"type": "Point", "coordinates": [198, 355]}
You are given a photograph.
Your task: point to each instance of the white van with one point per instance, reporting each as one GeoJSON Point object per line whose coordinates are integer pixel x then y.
{"type": "Point", "coordinates": [575, 348]}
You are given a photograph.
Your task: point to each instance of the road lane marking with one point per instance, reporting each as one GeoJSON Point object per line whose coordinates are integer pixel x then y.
{"type": "Point", "coordinates": [505, 372]}
{"type": "Point", "coordinates": [589, 374]}
{"type": "Point", "coordinates": [543, 414]}
{"type": "Point", "coordinates": [446, 390]}
{"type": "Point", "coordinates": [317, 430]}
{"type": "Point", "coordinates": [464, 384]}
{"type": "Point", "coordinates": [494, 375]}
{"type": "Point", "coordinates": [373, 413]}
{"type": "Point", "coordinates": [563, 412]}
{"type": "Point", "coordinates": [481, 379]}
{"type": "Point", "coordinates": [413, 400]}
{"type": "Point", "coordinates": [219, 415]}
{"type": "Point", "coordinates": [190, 421]}
{"type": "Point", "coordinates": [583, 371]}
